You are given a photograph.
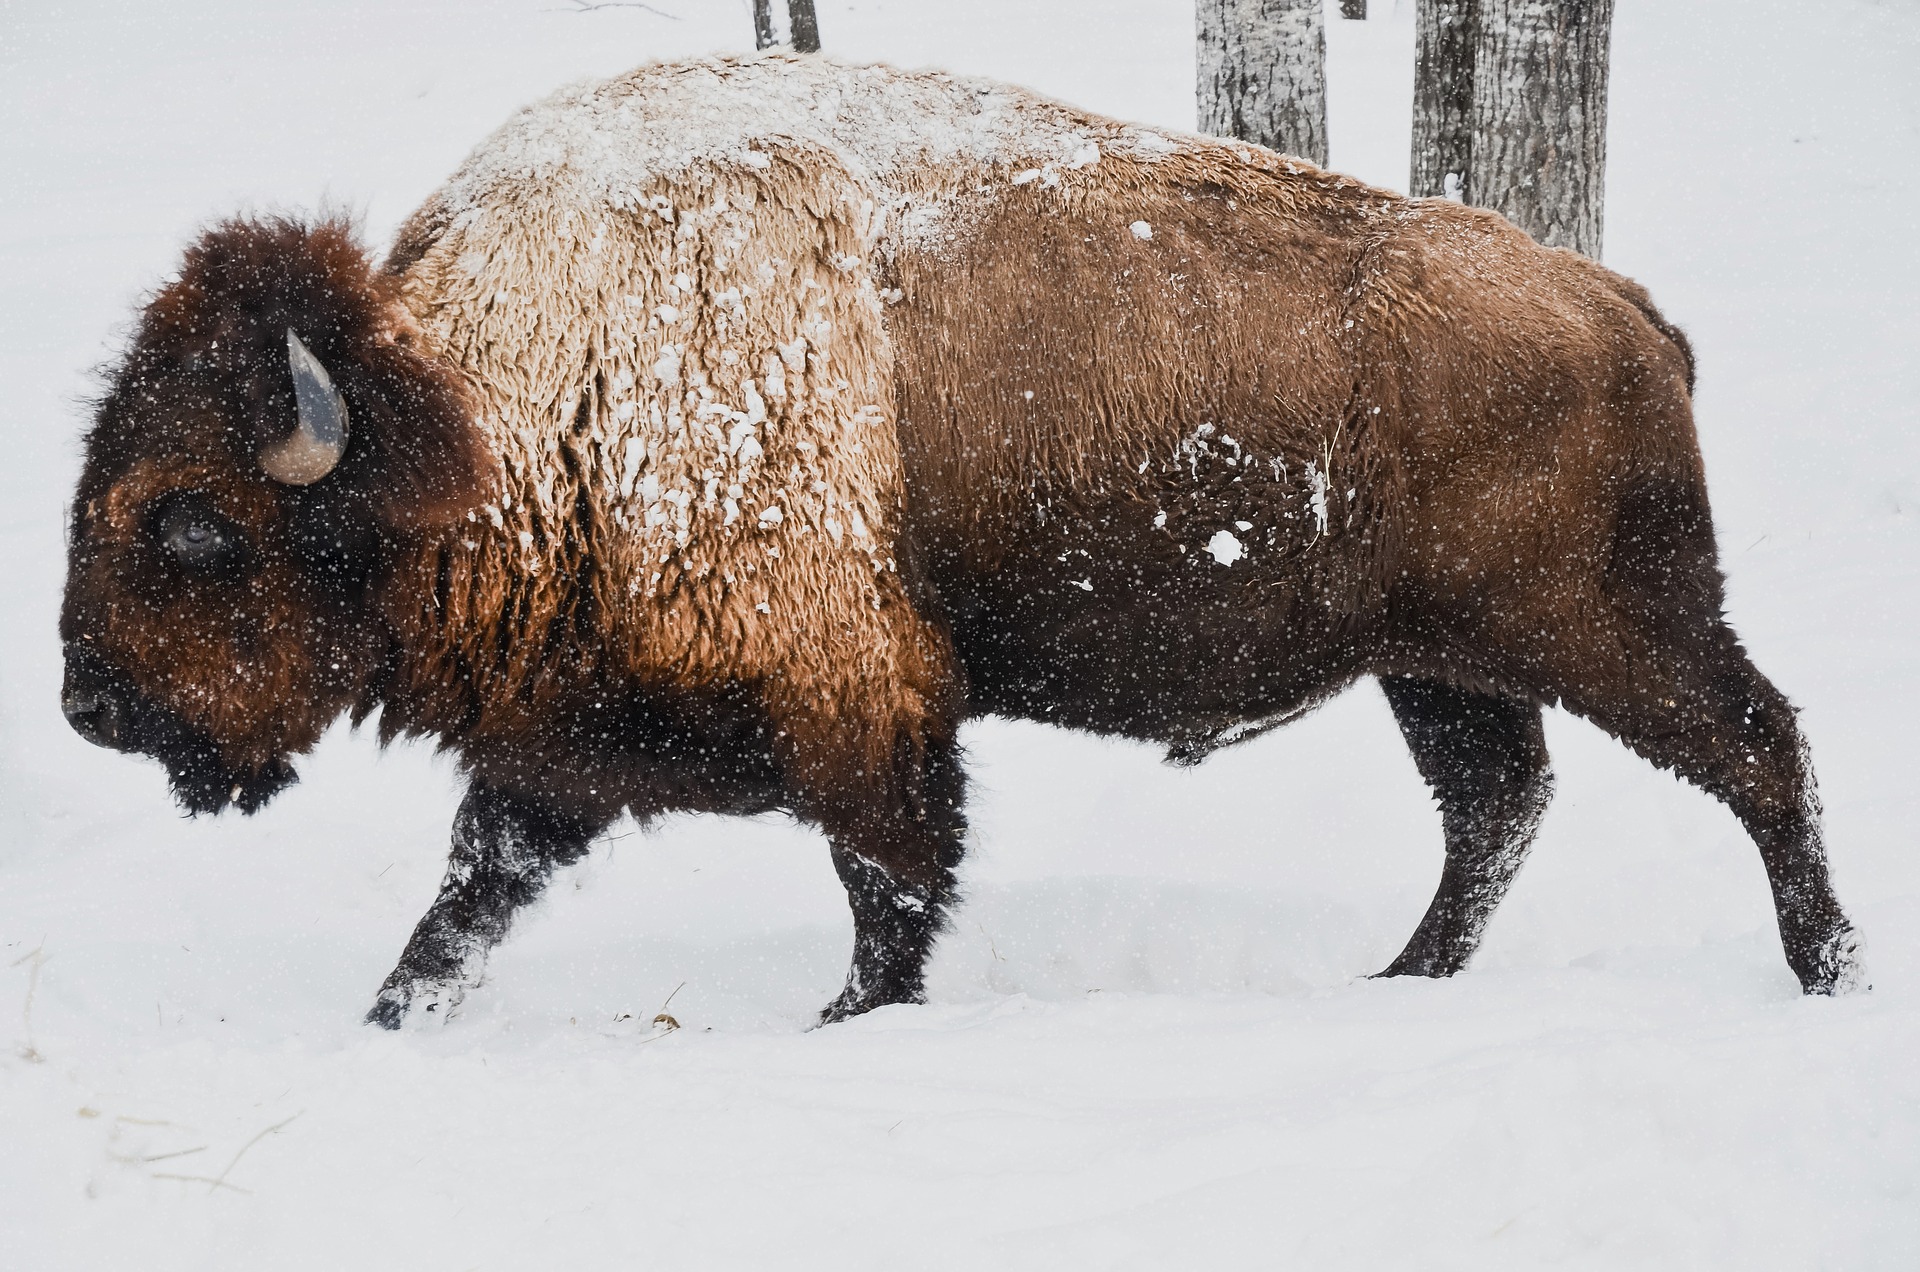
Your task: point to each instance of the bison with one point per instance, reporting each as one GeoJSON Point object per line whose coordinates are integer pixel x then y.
{"type": "Point", "coordinates": [725, 434]}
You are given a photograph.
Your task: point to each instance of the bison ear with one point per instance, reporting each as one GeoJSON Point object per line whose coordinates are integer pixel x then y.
{"type": "Point", "coordinates": [416, 452]}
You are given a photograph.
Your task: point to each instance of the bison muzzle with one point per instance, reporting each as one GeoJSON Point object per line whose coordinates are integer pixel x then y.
{"type": "Point", "coordinates": [723, 435]}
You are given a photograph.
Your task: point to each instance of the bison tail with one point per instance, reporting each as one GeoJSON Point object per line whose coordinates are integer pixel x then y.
{"type": "Point", "coordinates": [1636, 295]}
{"type": "Point", "coordinates": [1674, 335]}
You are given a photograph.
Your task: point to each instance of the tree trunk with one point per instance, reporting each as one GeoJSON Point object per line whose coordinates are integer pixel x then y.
{"type": "Point", "coordinates": [1263, 73]}
{"type": "Point", "coordinates": [1540, 117]}
{"type": "Point", "coordinates": [763, 24]}
{"type": "Point", "coordinates": [1355, 9]}
{"type": "Point", "coordinates": [805, 26]}
{"type": "Point", "coordinates": [1445, 32]}
{"type": "Point", "coordinates": [1510, 112]}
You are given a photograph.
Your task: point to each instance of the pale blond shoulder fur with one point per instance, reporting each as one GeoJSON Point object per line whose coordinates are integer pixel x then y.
{"type": "Point", "coordinates": [663, 290]}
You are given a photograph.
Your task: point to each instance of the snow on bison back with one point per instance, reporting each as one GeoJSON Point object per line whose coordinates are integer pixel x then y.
{"type": "Point", "coordinates": [724, 434]}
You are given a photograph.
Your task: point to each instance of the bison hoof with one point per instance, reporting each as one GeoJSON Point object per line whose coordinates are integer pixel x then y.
{"type": "Point", "coordinates": [1837, 966]}
{"type": "Point", "coordinates": [1409, 964]}
{"type": "Point", "coordinates": [843, 1008]}
{"type": "Point", "coordinates": [388, 1013]}
{"type": "Point", "coordinates": [850, 1004]}
{"type": "Point", "coordinates": [419, 1005]}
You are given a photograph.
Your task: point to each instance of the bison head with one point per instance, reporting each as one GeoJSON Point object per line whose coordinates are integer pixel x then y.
{"type": "Point", "coordinates": [273, 440]}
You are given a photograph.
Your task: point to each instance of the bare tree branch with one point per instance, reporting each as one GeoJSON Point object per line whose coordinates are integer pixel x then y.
{"type": "Point", "coordinates": [220, 1180]}
{"type": "Point", "coordinates": [588, 6]}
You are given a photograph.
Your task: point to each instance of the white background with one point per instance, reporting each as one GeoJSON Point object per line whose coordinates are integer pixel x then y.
{"type": "Point", "coordinates": [1150, 1043]}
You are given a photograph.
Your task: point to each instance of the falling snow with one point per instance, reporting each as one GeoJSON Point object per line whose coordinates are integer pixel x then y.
{"type": "Point", "coordinates": [1151, 1040]}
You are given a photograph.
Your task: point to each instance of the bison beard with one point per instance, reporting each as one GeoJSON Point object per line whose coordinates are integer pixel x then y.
{"type": "Point", "coordinates": [107, 711]}
{"type": "Point", "coordinates": [733, 458]}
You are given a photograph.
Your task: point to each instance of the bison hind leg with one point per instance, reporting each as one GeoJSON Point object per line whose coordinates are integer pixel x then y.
{"type": "Point", "coordinates": [1689, 699]}
{"type": "Point", "coordinates": [1485, 757]}
{"type": "Point", "coordinates": [1697, 705]}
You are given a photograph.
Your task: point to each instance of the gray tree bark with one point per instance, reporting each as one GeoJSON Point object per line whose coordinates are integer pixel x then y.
{"type": "Point", "coordinates": [805, 25]}
{"type": "Point", "coordinates": [1445, 32]}
{"type": "Point", "coordinates": [1540, 117]}
{"type": "Point", "coordinates": [1510, 112]}
{"type": "Point", "coordinates": [1262, 71]}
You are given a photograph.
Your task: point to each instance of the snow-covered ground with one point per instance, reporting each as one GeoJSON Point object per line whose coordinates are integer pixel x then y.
{"type": "Point", "coordinates": [1149, 1042]}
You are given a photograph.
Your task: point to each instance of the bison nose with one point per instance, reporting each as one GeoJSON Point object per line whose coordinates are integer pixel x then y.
{"type": "Point", "coordinates": [94, 715]}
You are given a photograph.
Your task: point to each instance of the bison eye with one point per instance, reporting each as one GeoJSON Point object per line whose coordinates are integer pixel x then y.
{"type": "Point", "coordinates": [196, 536]}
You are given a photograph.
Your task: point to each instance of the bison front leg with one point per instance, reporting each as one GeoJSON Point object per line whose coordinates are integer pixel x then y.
{"type": "Point", "coordinates": [896, 843]}
{"type": "Point", "coordinates": [1486, 759]}
{"type": "Point", "coordinates": [505, 847]}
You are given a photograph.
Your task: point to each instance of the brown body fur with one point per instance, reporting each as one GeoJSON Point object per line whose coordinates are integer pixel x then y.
{"type": "Point", "coordinates": [1476, 430]}
{"type": "Point", "coordinates": [987, 471]}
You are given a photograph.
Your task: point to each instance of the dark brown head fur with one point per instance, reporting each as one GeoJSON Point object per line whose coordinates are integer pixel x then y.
{"type": "Point", "coordinates": [215, 618]}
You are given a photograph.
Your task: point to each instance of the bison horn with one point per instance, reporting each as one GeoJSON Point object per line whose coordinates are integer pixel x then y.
{"type": "Point", "coordinates": [319, 438]}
